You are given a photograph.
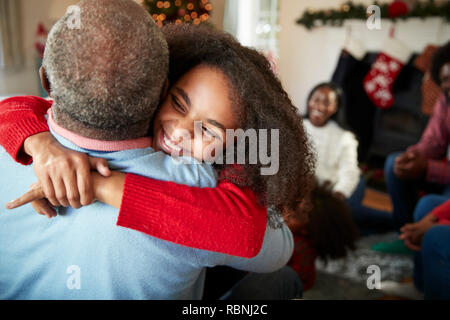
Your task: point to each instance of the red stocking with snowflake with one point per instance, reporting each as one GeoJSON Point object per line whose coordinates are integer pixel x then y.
{"type": "Point", "coordinates": [380, 79]}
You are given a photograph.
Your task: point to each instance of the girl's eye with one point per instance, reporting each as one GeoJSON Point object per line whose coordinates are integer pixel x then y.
{"type": "Point", "coordinates": [209, 133]}
{"type": "Point", "coordinates": [177, 104]}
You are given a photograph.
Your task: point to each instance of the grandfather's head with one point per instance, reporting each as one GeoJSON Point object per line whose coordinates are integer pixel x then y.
{"type": "Point", "coordinates": [106, 77]}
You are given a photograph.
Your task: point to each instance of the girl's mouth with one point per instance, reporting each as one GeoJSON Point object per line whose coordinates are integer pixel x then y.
{"type": "Point", "coordinates": [168, 146]}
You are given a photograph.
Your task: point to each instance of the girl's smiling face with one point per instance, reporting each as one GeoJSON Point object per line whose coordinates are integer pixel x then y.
{"type": "Point", "coordinates": [201, 95]}
{"type": "Point", "coordinates": [321, 106]}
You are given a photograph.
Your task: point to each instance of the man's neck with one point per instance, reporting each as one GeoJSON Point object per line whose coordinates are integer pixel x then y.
{"type": "Point", "coordinates": [97, 144]}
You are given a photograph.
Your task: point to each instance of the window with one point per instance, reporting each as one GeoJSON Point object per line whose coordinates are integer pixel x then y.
{"type": "Point", "coordinates": [254, 23]}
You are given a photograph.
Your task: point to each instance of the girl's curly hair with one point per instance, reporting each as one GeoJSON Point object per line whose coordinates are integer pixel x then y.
{"type": "Point", "coordinates": [258, 102]}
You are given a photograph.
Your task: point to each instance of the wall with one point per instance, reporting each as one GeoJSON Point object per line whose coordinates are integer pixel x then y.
{"type": "Point", "coordinates": [48, 11]}
{"type": "Point", "coordinates": [34, 12]}
{"type": "Point", "coordinates": [218, 13]}
{"type": "Point", "coordinates": [309, 57]}
{"type": "Point", "coordinates": [25, 80]}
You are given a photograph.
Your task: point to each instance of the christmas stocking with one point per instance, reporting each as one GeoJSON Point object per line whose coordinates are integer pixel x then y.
{"type": "Point", "coordinates": [380, 79]}
{"type": "Point", "coordinates": [351, 55]}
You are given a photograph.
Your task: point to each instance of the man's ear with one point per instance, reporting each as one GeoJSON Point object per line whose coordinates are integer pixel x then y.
{"type": "Point", "coordinates": [44, 80]}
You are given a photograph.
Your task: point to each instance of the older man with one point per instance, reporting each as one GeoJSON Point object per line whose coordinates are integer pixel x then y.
{"type": "Point", "coordinates": [106, 81]}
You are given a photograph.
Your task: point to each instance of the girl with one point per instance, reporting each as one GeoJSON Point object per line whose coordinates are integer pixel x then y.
{"type": "Point", "coordinates": [231, 217]}
{"type": "Point", "coordinates": [337, 157]}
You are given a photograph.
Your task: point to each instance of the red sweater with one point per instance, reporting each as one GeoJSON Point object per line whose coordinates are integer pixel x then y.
{"type": "Point", "coordinates": [225, 219]}
{"type": "Point", "coordinates": [442, 213]}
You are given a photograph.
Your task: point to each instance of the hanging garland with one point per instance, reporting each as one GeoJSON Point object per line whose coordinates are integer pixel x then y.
{"type": "Point", "coordinates": [398, 9]}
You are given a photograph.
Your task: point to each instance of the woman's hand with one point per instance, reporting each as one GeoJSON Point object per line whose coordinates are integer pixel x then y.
{"type": "Point", "coordinates": [64, 175]}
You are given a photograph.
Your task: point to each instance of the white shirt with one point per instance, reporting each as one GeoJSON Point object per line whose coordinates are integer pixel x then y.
{"type": "Point", "coordinates": [336, 150]}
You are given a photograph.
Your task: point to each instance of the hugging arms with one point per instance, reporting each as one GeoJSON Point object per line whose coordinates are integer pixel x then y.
{"type": "Point", "coordinates": [192, 216]}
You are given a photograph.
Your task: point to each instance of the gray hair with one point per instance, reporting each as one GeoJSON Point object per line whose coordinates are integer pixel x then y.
{"type": "Point", "coordinates": [109, 74]}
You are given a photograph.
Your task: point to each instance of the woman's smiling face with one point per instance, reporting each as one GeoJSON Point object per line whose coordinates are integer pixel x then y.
{"type": "Point", "coordinates": [322, 106]}
{"type": "Point", "coordinates": [200, 96]}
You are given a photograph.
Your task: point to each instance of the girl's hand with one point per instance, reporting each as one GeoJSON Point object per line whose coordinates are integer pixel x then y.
{"type": "Point", "coordinates": [108, 190]}
{"type": "Point", "coordinates": [36, 196]}
{"type": "Point", "coordinates": [64, 175]}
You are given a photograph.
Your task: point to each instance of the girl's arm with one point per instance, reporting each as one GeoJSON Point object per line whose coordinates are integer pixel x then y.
{"type": "Point", "coordinates": [20, 118]}
{"type": "Point", "coordinates": [225, 219]}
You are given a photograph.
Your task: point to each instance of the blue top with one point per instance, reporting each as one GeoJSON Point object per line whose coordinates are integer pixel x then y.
{"type": "Point", "coordinates": [82, 254]}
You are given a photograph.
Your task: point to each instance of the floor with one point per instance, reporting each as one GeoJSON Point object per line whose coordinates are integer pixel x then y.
{"type": "Point", "coordinates": [377, 200]}
{"type": "Point", "coordinates": [346, 279]}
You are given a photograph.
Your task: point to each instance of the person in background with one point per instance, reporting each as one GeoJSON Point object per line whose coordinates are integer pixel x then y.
{"type": "Point", "coordinates": [337, 157]}
{"type": "Point", "coordinates": [424, 166]}
{"type": "Point", "coordinates": [429, 235]}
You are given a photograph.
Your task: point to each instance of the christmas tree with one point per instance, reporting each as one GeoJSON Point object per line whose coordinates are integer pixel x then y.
{"type": "Point", "coordinates": [179, 11]}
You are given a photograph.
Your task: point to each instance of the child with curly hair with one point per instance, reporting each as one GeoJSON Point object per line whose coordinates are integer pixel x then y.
{"type": "Point", "coordinates": [325, 231]}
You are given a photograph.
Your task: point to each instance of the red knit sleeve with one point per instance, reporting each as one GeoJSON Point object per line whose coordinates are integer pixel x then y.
{"type": "Point", "coordinates": [21, 117]}
{"type": "Point", "coordinates": [442, 212]}
{"type": "Point", "coordinates": [224, 219]}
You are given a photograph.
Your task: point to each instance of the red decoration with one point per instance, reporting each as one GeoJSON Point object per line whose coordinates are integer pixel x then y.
{"type": "Point", "coordinates": [41, 37]}
{"type": "Point", "coordinates": [397, 9]}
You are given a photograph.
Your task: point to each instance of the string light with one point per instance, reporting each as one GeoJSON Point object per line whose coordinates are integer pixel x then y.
{"type": "Point", "coordinates": [178, 11]}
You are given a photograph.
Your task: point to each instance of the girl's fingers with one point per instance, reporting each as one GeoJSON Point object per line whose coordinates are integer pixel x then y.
{"type": "Point", "coordinates": [49, 190]}
{"type": "Point", "coordinates": [60, 192]}
{"type": "Point", "coordinates": [31, 195]}
{"type": "Point", "coordinates": [101, 165]}
{"type": "Point", "coordinates": [72, 194]}
{"type": "Point", "coordinates": [85, 183]}
{"type": "Point", "coordinates": [43, 207]}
